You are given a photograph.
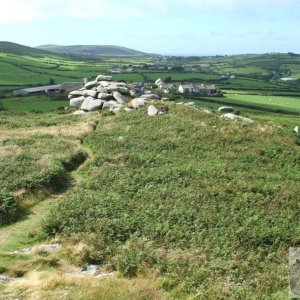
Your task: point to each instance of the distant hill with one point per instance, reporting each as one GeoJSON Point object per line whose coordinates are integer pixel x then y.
{"type": "Point", "coordinates": [9, 47]}
{"type": "Point", "coordinates": [103, 50]}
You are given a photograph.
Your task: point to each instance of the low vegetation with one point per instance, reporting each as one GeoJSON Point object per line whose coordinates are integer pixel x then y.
{"type": "Point", "coordinates": [35, 152]}
{"type": "Point", "coordinates": [210, 206]}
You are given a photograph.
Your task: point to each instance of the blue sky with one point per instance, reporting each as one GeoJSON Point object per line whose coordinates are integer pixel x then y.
{"type": "Point", "coordinates": [180, 27]}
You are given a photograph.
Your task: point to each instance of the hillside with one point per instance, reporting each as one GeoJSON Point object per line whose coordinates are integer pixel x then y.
{"type": "Point", "coordinates": [100, 50]}
{"type": "Point", "coordinates": [9, 47]}
{"type": "Point", "coordinates": [184, 205]}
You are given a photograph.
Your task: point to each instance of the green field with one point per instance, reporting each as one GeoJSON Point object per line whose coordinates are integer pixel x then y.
{"type": "Point", "coordinates": [32, 103]}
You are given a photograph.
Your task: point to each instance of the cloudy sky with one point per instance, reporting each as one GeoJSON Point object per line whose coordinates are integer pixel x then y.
{"type": "Point", "coordinates": [186, 27]}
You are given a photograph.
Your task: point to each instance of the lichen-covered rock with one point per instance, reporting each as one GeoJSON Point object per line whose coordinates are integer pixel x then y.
{"type": "Point", "coordinates": [120, 99]}
{"type": "Point", "coordinates": [230, 116]}
{"type": "Point", "coordinates": [79, 112]}
{"type": "Point", "coordinates": [152, 111]}
{"type": "Point", "coordinates": [110, 104]}
{"type": "Point", "coordinates": [105, 96]}
{"type": "Point", "coordinates": [103, 77]}
{"type": "Point", "coordinates": [91, 104]}
{"type": "Point", "coordinates": [138, 102]}
{"type": "Point", "coordinates": [90, 93]}
{"type": "Point", "coordinates": [76, 102]}
{"type": "Point", "coordinates": [91, 84]}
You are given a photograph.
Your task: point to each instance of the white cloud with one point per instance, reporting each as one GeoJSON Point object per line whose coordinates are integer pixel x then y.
{"type": "Point", "coordinates": [18, 11]}
{"type": "Point", "coordinates": [28, 10]}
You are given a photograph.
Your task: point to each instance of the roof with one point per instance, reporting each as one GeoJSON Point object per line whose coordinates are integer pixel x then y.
{"type": "Point", "coordinates": [41, 88]}
{"type": "Point", "coordinates": [187, 86]}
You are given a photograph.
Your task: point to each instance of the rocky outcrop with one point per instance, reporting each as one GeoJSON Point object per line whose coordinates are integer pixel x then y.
{"type": "Point", "coordinates": [104, 93]}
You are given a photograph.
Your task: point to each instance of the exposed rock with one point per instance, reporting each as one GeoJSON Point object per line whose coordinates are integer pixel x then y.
{"type": "Point", "coordinates": [230, 116]}
{"type": "Point", "coordinates": [152, 111]}
{"type": "Point", "coordinates": [297, 129]}
{"type": "Point", "coordinates": [105, 96]}
{"type": "Point", "coordinates": [180, 103]}
{"type": "Point", "coordinates": [91, 84]}
{"type": "Point", "coordinates": [189, 104]}
{"type": "Point", "coordinates": [92, 270]}
{"type": "Point", "coordinates": [75, 94]}
{"type": "Point", "coordinates": [150, 96]}
{"type": "Point", "coordinates": [247, 120]}
{"type": "Point", "coordinates": [119, 97]}
{"type": "Point", "coordinates": [204, 110]}
{"type": "Point", "coordinates": [89, 93]}
{"type": "Point", "coordinates": [91, 104]}
{"type": "Point", "coordinates": [110, 104]}
{"type": "Point", "coordinates": [40, 248]}
{"type": "Point", "coordinates": [3, 278]}
{"type": "Point", "coordinates": [102, 89]}
{"type": "Point", "coordinates": [79, 112]}
{"type": "Point", "coordinates": [127, 109]}
{"type": "Point", "coordinates": [226, 109]}
{"type": "Point", "coordinates": [103, 77]}
{"type": "Point", "coordinates": [76, 102]}
{"type": "Point", "coordinates": [138, 102]}
{"type": "Point", "coordinates": [116, 110]}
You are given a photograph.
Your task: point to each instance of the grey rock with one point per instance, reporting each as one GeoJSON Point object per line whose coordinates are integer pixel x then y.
{"type": "Point", "coordinates": [247, 120]}
{"type": "Point", "coordinates": [116, 110]}
{"type": "Point", "coordinates": [79, 112]}
{"type": "Point", "coordinates": [138, 102]}
{"type": "Point", "coordinates": [110, 104]}
{"type": "Point", "coordinates": [76, 102]}
{"type": "Point", "coordinates": [152, 110]}
{"type": "Point", "coordinates": [226, 109]}
{"type": "Point", "coordinates": [102, 89]}
{"type": "Point", "coordinates": [127, 109]}
{"type": "Point", "coordinates": [189, 104]}
{"type": "Point", "coordinates": [120, 99]}
{"type": "Point", "coordinates": [3, 278]}
{"type": "Point", "coordinates": [91, 84]}
{"type": "Point", "coordinates": [89, 93]}
{"type": "Point", "coordinates": [150, 96]}
{"type": "Point", "coordinates": [230, 116]}
{"type": "Point", "coordinates": [103, 77]}
{"type": "Point", "coordinates": [297, 129]}
{"type": "Point", "coordinates": [104, 96]}
{"type": "Point", "coordinates": [91, 104]}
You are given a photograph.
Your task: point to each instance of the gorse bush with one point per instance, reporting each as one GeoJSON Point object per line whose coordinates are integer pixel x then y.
{"type": "Point", "coordinates": [211, 205]}
{"type": "Point", "coordinates": [8, 207]}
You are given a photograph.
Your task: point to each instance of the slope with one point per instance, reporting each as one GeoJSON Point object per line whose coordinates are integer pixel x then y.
{"type": "Point", "coordinates": [103, 50]}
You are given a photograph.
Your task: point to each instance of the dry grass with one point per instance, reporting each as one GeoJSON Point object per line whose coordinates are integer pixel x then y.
{"type": "Point", "coordinates": [59, 286]}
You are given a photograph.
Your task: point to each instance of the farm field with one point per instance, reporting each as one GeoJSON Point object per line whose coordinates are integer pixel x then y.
{"type": "Point", "coordinates": [32, 103]}
{"type": "Point", "coordinates": [257, 102]}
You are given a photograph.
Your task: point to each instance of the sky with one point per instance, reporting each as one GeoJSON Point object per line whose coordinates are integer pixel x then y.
{"type": "Point", "coordinates": [172, 27]}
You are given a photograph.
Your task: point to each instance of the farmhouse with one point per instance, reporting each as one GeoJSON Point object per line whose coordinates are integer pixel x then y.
{"type": "Point", "coordinates": [49, 89]}
{"type": "Point", "coordinates": [196, 89]}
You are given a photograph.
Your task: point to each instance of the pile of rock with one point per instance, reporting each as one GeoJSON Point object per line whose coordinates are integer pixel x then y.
{"type": "Point", "coordinates": [103, 93]}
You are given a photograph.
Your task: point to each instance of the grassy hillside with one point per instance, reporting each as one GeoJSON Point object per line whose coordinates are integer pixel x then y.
{"type": "Point", "coordinates": [209, 206]}
{"type": "Point", "coordinates": [9, 47]}
{"type": "Point", "coordinates": [102, 50]}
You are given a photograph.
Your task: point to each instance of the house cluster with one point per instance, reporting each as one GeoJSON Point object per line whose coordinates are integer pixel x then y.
{"type": "Point", "coordinates": [162, 85]}
{"type": "Point", "coordinates": [197, 89]}
{"type": "Point", "coordinates": [228, 76]}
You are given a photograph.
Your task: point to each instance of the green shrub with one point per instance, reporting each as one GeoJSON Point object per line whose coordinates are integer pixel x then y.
{"type": "Point", "coordinates": [8, 207]}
